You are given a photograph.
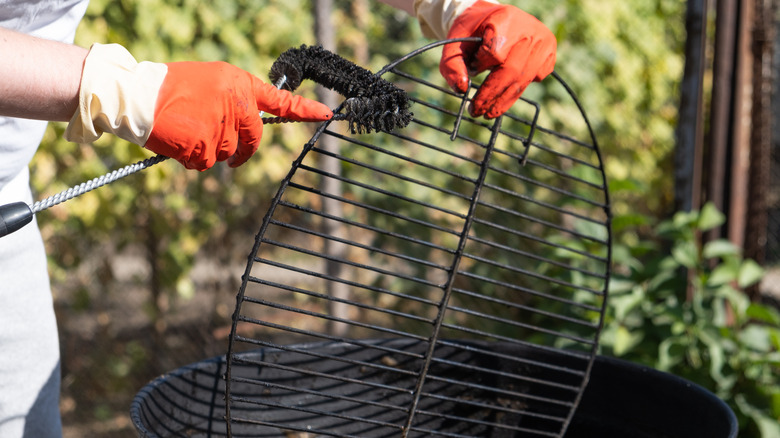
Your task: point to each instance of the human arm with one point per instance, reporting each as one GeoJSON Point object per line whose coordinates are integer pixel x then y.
{"type": "Point", "coordinates": [39, 79]}
{"type": "Point", "coordinates": [516, 48]}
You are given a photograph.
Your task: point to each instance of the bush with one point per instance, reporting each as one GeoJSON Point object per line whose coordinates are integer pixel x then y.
{"type": "Point", "coordinates": [680, 306]}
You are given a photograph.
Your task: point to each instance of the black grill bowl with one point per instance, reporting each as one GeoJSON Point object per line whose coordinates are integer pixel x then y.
{"type": "Point", "coordinates": [621, 400]}
{"type": "Point", "coordinates": [626, 400]}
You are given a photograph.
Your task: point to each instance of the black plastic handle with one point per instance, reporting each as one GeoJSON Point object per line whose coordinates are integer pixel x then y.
{"type": "Point", "coordinates": [14, 216]}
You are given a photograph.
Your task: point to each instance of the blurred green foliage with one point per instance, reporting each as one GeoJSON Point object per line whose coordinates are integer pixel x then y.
{"type": "Point", "coordinates": [680, 306]}
{"type": "Point", "coordinates": [625, 61]}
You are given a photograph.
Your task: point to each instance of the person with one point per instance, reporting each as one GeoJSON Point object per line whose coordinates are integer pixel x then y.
{"type": "Point", "coordinates": [198, 113]}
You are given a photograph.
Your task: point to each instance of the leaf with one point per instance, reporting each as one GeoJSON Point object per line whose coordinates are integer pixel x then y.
{"type": "Point", "coordinates": [710, 217]}
{"type": "Point", "coordinates": [716, 356]}
{"type": "Point", "coordinates": [621, 255]}
{"type": "Point", "coordinates": [624, 304]}
{"type": "Point", "coordinates": [625, 185]}
{"type": "Point", "coordinates": [586, 173]}
{"type": "Point", "coordinates": [756, 337]}
{"type": "Point", "coordinates": [619, 286]}
{"type": "Point", "coordinates": [736, 298]}
{"type": "Point", "coordinates": [776, 402]}
{"type": "Point", "coordinates": [684, 219]}
{"type": "Point", "coordinates": [762, 313]}
{"type": "Point", "coordinates": [719, 248]}
{"type": "Point", "coordinates": [628, 221]}
{"type": "Point", "coordinates": [670, 353]}
{"type": "Point", "coordinates": [686, 254]}
{"type": "Point", "coordinates": [625, 340]}
{"type": "Point", "coordinates": [750, 273]}
{"type": "Point", "coordinates": [774, 336]}
{"type": "Point", "coordinates": [722, 274]}
{"type": "Point", "coordinates": [591, 229]}
{"type": "Point", "coordinates": [768, 427]}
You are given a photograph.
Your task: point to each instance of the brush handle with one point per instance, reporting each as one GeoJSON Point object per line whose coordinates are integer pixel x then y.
{"type": "Point", "coordinates": [14, 216]}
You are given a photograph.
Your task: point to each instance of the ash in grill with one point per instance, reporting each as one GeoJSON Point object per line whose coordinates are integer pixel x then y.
{"type": "Point", "coordinates": [448, 280]}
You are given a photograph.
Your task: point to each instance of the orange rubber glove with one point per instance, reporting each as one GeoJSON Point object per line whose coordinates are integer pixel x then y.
{"type": "Point", "coordinates": [195, 112]}
{"type": "Point", "coordinates": [516, 47]}
{"type": "Point", "coordinates": [209, 112]}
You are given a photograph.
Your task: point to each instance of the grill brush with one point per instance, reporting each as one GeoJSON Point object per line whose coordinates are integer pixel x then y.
{"type": "Point", "coordinates": [372, 104]}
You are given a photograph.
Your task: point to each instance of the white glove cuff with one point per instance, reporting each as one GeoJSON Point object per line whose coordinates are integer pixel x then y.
{"type": "Point", "coordinates": [436, 16]}
{"type": "Point", "coordinates": [117, 95]}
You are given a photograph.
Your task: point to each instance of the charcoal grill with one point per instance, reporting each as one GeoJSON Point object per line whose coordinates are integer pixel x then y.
{"type": "Point", "coordinates": [445, 279]}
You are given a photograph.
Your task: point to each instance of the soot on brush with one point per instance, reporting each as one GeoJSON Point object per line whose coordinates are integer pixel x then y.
{"type": "Point", "coordinates": [373, 104]}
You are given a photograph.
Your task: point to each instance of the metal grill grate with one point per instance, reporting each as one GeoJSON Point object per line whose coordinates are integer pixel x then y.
{"type": "Point", "coordinates": [449, 280]}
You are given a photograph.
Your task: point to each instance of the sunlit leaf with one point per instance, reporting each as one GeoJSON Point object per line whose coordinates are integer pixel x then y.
{"type": "Point", "coordinates": [723, 274]}
{"type": "Point", "coordinates": [756, 337]}
{"type": "Point", "coordinates": [719, 248]}
{"type": "Point", "coordinates": [750, 273]}
{"type": "Point", "coordinates": [763, 313]}
{"type": "Point", "coordinates": [710, 217]}
{"type": "Point", "coordinates": [686, 254]}
{"type": "Point", "coordinates": [625, 340]}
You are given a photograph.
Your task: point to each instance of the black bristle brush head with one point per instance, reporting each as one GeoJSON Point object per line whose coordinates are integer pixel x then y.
{"type": "Point", "coordinates": [373, 104]}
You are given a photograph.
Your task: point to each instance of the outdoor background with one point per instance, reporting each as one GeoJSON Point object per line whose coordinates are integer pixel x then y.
{"type": "Point", "coordinates": [145, 271]}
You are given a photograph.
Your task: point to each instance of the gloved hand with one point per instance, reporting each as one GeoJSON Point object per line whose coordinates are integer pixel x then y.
{"type": "Point", "coordinates": [194, 112]}
{"type": "Point", "coordinates": [516, 47]}
{"type": "Point", "coordinates": [209, 112]}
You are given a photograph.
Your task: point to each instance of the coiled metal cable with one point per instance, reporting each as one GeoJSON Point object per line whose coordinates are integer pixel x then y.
{"type": "Point", "coordinates": [94, 183]}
